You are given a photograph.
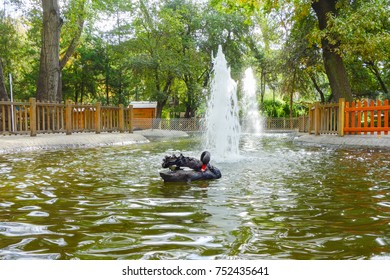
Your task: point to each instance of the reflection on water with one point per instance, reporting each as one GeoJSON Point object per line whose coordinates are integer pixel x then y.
{"type": "Point", "coordinates": [280, 201]}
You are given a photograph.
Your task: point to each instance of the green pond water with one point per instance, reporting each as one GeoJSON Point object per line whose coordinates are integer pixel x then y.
{"type": "Point", "coordinates": [281, 200]}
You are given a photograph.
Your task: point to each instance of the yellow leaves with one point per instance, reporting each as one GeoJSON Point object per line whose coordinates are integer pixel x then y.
{"type": "Point", "coordinates": [362, 31]}
{"type": "Point", "coordinates": [251, 3]}
{"type": "Point", "coordinates": [315, 37]}
{"type": "Point", "coordinates": [230, 6]}
{"type": "Point", "coordinates": [302, 9]}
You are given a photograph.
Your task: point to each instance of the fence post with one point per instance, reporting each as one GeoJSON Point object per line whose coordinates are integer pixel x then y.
{"type": "Point", "coordinates": [341, 121]}
{"type": "Point", "coordinates": [310, 118]}
{"type": "Point", "coordinates": [131, 118]}
{"type": "Point", "coordinates": [317, 119]}
{"type": "Point", "coordinates": [98, 118]}
{"type": "Point", "coordinates": [386, 117]}
{"type": "Point", "coordinates": [33, 116]}
{"type": "Point", "coordinates": [68, 117]}
{"type": "Point", "coordinates": [121, 119]}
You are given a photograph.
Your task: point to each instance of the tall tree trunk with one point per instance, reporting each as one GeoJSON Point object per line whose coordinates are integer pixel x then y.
{"type": "Point", "coordinates": [3, 89]}
{"type": "Point", "coordinates": [49, 68]}
{"type": "Point", "coordinates": [334, 65]}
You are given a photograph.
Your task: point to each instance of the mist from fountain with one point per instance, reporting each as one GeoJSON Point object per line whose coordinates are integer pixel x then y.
{"type": "Point", "coordinates": [252, 121]}
{"type": "Point", "coordinates": [222, 135]}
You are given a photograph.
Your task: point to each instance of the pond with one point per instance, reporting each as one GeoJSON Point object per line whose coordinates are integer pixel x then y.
{"type": "Point", "coordinates": [281, 200]}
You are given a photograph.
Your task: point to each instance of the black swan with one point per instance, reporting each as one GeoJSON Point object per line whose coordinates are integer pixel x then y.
{"type": "Point", "coordinates": [199, 169]}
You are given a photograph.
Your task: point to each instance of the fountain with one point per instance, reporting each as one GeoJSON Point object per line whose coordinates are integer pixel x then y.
{"type": "Point", "coordinates": [223, 130]}
{"type": "Point", "coordinates": [252, 122]}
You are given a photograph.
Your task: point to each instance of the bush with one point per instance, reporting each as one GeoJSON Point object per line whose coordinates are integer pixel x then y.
{"type": "Point", "coordinates": [281, 109]}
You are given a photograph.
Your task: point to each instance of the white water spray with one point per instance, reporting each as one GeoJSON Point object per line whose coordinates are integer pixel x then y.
{"type": "Point", "coordinates": [222, 136]}
{"type": "Point", "coordinates": [252, 121]}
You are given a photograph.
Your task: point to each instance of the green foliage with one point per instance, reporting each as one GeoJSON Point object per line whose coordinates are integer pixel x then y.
{"type": "Point", "coordinates": [81, 78]}
{"type": "Point", "coordinates": [363, 30]}
{"type": "Point", "coordinates": [279, 108]}
{"type": "Point", "coordinates": [162, 50]}
{"type": "Point", "coordinates": [17, 56]}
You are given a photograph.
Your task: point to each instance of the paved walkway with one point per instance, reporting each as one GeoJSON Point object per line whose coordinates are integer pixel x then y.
{"type": "Point", "coordinates": [20, 143]}
{"type": "Point", "coordinates": [382, 141]}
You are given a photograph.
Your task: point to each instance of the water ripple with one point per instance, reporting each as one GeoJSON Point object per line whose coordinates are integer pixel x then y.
{"type": "Point", "coordinates": [22, 229]}
{"type": "Point", "coordinates": [279, 200]}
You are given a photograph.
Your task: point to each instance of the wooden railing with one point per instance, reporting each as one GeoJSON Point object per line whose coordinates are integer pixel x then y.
{"type": "Point", "coordinates": [367, 117]}
{"type": "Point", "coordinates": [350, 118]}
{"type": "Point", "coordinates": [324, 118]}
{"type": "Point", "coordinates": [45, 117]}
{"type": "Point", "coordinates": [49, 117]}
{"type": "Point", "coordinates": [15, 117]}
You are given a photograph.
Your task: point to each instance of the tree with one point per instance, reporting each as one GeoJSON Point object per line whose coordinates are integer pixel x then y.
{"type": "Point", "coordinates": [3, 90]}
{"type": "Point", "coordinates": [49, 85]}
{"type": "Point", "coordinates": [161, 50]}
{"type": "Point", "coordinates": [76, 14]}
{"type": "Point", "coordinates": [333, 62]}
{"type": "Point", "coordinates": [13, 53]}
{"type": "Point", "coordinates": [193, 63]}
{"type": "Point", "coordinates": [363, 29]}
{"type": "Point", "coordinates": [155, 52]}
{"type": "Point", "coordinates": [303, 59]}
{"type": "Point", "coordinates": [329, 42]}
{"type": "Point", "coordinates": [200, 29]}
{"type": "Point", "coordinates": [263, 32]}
{"type": "Point", "coordinates": [118, 79]}
{"type": "Point", "coordinates": [82, 78]}
{"type": "Point", "coordinates": [49, 67]}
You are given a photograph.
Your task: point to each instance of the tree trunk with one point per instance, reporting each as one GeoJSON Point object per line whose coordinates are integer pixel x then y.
{"type": "Point", "coordinates": [334, 65]}
{"type": "Point", "coordinates": [71, 49]}
{"type": "Point", "coordinates": [262, 88]}
{"type": "Point", "coordinates": [189, 81]}
{"type": "Point", "coordinates": [160, 106]}
{"type": "Point", "coordinates": [74, 43]}
{"type": "Point", "coordinates": [3, 89]}
{"type": "Point", "coordinates": [49, 68]}
{"type": "Point", "coordinates": [162, 101]}
{"type": "Point", "coordinates": [374, 69]}
{"type": "Point", "coordinates": [317, 87]}
{"type": "Point", "coordinates": [107, 83]}
{"type": "Point", "coordinates": [291, 109]}
{"type": "Point", "coordinates": [190, 112]}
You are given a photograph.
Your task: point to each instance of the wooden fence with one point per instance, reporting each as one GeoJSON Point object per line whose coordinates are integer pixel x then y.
{"type": "Point", "coordinates": [44, 117]}
{"type": "Point", "coordinates": [324, 118]}
{"type": "Point", "coordinates": [350, 118]}
{"type": "Point", "coordinates": [367, 117]}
